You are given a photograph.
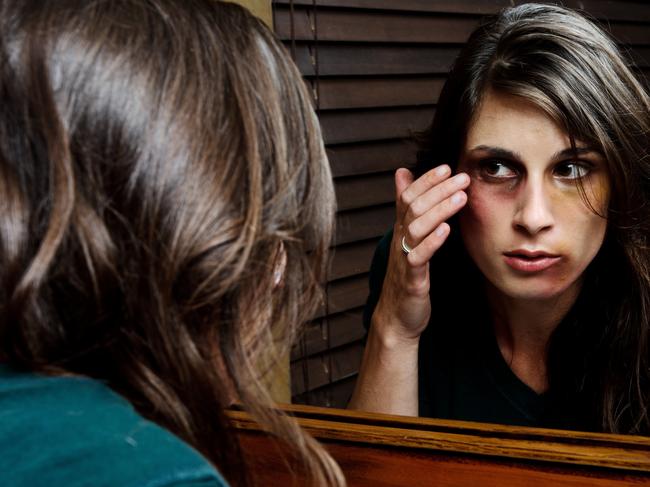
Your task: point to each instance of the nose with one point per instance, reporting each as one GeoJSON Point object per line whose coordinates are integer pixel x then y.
{"type": "Point", "coordinates": [533, 213]}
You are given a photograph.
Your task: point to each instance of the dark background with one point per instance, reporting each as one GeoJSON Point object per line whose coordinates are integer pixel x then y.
{"type": "Point", "coordinates": [375, 68]}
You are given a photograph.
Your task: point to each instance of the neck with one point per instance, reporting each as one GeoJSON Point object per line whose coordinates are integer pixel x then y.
{"type": "Point", "coordinates": [523, 328]}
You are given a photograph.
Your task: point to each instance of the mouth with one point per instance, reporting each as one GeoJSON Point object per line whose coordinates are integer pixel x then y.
{"type": "Point", "coordinates": [530, 261]}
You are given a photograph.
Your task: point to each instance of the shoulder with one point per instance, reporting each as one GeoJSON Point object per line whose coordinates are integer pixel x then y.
{"type": "Point", "coordinates": [71, 431]}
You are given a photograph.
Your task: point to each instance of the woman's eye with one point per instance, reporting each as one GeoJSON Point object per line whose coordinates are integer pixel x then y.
{"type": "Point", "coordinates": [572, 170]}
{"type": "Point", "coordinates": [497, 169]}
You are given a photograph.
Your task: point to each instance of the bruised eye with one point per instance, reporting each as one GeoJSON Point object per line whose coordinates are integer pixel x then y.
{"type": "Point", "coordinates": [572, 170]}
{"type": "Point", "coordinates": [497, 170]}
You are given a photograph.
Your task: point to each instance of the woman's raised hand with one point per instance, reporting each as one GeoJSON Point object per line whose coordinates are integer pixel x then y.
{"type": "Point", "coordinates": [388, 376]}
{"type": "Point", "coordinates": [423, 206]}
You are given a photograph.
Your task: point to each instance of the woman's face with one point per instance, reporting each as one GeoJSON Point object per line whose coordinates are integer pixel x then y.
{"type": "Point", "coordinates": [526, 225]}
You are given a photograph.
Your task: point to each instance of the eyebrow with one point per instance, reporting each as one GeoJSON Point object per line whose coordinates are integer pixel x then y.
{"type": "Point", "coordinates": [508, 154]}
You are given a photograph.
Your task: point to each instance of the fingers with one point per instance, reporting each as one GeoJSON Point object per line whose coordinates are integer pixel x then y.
{"type": "Point", "coordinates": [421, 254]}
{"type": "Point", "coordinates": [436, 195]}
{"type": "Point", "coordinates": [425, 182]}
{"type": "Point", "coordinates": [423, 206]}
{"type": "Point", "coordinates": [420, 229]}
{"type": "Point", "coordinates": [422, 225]}
{"type": "Point", "coordinates": [408, 190]}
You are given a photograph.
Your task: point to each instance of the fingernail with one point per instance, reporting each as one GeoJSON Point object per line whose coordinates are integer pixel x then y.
{"type": "Point", "coordinates": [440, 231]}
{"type": "Point", "coordinates": [442, 170]}
{"type": "Point", "coordinates": [457, 198]}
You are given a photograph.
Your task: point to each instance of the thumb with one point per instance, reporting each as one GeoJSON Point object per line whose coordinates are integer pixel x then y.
{"type": "Point", "coordinates": [403, 179]}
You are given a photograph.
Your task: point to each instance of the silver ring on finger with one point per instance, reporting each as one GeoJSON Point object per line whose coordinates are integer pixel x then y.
{"type": "Point", "coordinates": [405, 247]}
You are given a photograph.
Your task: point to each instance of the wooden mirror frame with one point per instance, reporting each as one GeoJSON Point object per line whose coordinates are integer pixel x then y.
{"type": "Point", "coordinates": [382, 450]}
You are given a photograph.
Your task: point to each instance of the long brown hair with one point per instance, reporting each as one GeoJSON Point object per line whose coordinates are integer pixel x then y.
{"type": "Point", "coordinates": [160, 166]}
{"type": "Point", "coordinates": [599, 358]}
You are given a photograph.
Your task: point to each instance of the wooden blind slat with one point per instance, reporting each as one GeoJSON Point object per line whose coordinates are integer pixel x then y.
{"type": "Point", "coordinates": [365, 158]}
{"type": "Point", "coordinates": [437, 6]}
{"type": "Point", "coordinates": [337, 93]}
{"type": "Point", "coordinates": [370, 190]}
{"type": "Point", "coordinates": [400, 27]}
{"type": "Point", "coordinates": [364, 26]}
{"type": "Point", "coordinates": [345, 294]}
{"type": "Point", "coordinates": [364, 224]}
{"type": "Point", "coordinates": [344, 363]}
{"type": "Point", "coordinates": [352, 259]}
{"type": "Point", "coordinates": [609, 10]}
{"type": "Point", "coordinates": [362, 125]}
{"type": "Point", "coordinates": [349, 360]}
{"type": "Point", "coordinates": [343, 328]}
{"type": "Point", "coordinates": [336, 60]}
{"type": "Point", "coordinates": [335, 395]}
{"type": "Point", "coordinates": [357, 59]}
{"type": "Point", "coordinates": [602, 9]}
{"type": "Point", "coordinates": [316, 373]}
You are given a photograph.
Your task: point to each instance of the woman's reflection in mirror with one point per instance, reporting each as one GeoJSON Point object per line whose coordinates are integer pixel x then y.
{"type": "Point", "coordinates": [515, 285]}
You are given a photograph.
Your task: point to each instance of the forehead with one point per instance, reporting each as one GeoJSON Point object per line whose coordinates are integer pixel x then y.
{"type": "Point", "coordinates": [516, 124]}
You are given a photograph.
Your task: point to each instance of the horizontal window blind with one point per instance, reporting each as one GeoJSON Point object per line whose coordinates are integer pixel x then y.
{"type": "Point", "coordinates": [376, 68]}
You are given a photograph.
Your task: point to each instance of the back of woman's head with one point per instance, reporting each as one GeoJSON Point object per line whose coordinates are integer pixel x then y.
{"type": "Point", "coordinates": [568, 67]}
{"type": "Point", "coordinates": [165, 200]}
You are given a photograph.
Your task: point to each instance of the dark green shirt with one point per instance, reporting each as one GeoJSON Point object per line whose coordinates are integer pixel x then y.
{"type": "Point", "coordinates": [462, 374]}
{"type": "Point", "coordinates": [65, 431]}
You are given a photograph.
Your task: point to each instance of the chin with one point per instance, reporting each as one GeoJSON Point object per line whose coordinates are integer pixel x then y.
{"type": "Point", "coordinates": [535, 295]}
{"type": "Point", "coordinates": [534, 290]}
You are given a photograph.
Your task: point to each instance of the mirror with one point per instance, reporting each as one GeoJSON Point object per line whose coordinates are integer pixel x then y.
{"type": "Point", "coordinates": [376, 72]}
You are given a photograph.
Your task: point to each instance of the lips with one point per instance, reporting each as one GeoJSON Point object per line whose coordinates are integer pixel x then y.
{"type": "Point", "coordinates": [530, 261]}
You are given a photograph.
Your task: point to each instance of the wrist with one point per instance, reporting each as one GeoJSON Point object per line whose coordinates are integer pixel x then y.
{"type": "Point", "coordinates": [390, 335]}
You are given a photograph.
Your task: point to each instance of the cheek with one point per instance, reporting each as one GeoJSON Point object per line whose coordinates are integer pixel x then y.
{"type": "Point", "coordinates": [585, 205]}
{"type": "Point", "coordinates": [485, 212]}
{"type": "Point", "coordinates": [584, 232]}
{"type": "Point", "coordinates": [583, 229]}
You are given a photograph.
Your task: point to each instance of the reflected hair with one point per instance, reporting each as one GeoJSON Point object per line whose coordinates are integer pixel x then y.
{"type": "Point", "coordinates": [567, 66]}
{"type": "Point", "coordinates": [160, 163]}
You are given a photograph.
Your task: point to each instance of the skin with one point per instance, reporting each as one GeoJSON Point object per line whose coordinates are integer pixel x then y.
{"type": "Point", "coordinates": [388, 376]}
{"type": "Point", "coordinates": [528, 200]}
{"type": "Point", "coordinates": [523, 195]}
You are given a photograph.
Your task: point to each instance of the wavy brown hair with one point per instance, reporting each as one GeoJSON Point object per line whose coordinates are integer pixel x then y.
{"type": "Point", "coordinates": [599, 357]}
{"type": "Point", "coordinates": [159, 161]}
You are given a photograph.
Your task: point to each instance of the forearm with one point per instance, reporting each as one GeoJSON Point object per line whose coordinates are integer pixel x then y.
{"type": "Point", "coordinates": [388, 378]}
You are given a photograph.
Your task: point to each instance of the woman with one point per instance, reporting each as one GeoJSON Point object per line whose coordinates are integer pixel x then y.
{"type": "Point", "coordinates": [163, 179]}
{"type": "Point", "coordinates": [535, 311]}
